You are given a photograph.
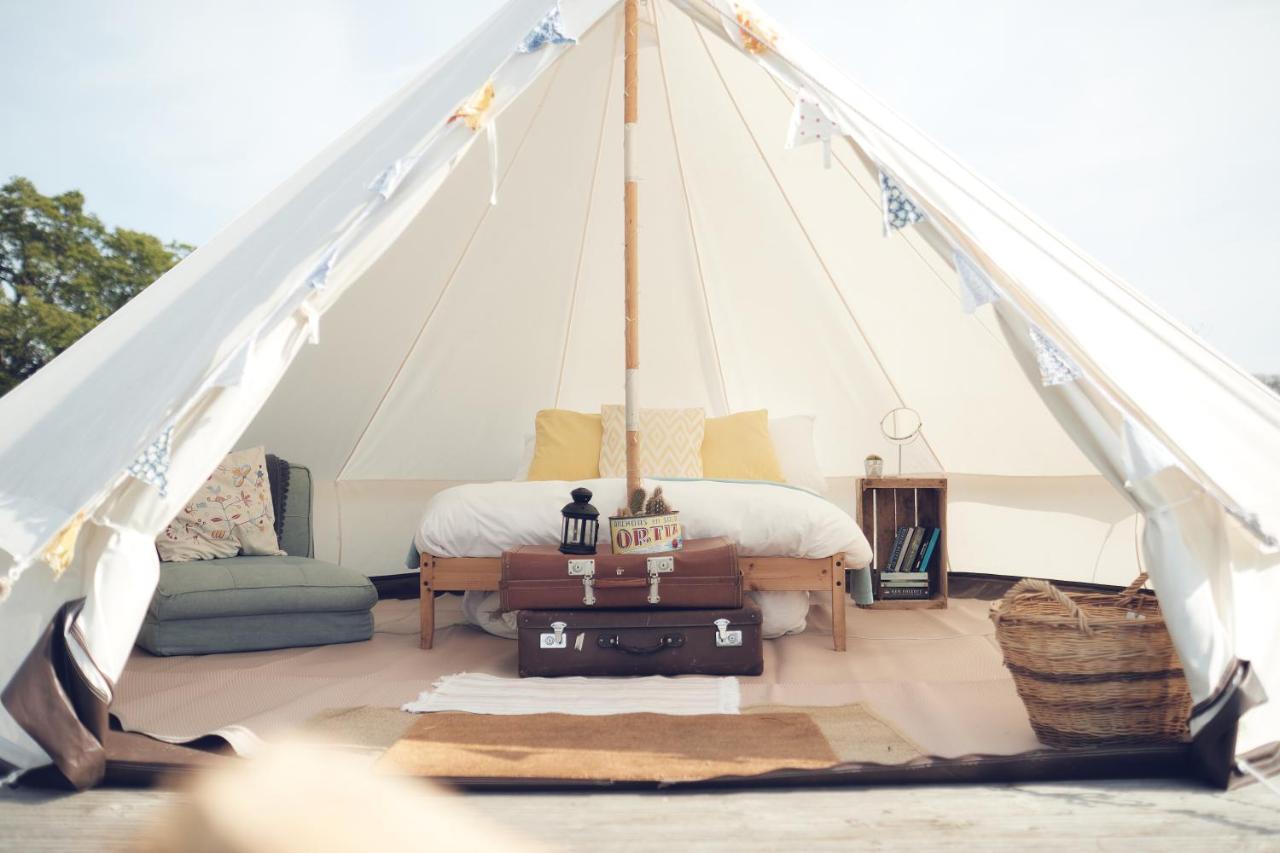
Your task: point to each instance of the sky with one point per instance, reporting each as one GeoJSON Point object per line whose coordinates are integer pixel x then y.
{"type": "Point", "coordinates": [1145, 131]}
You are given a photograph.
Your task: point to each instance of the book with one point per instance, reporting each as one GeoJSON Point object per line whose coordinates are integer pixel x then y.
{"type": "Point", "coordinates": [922, 562]}
{"type": "Point", "coordinates": [906, 543]}
{"type": "Point", "coordinates": [899, 593]}
{"type": "Point", "coordinates": [896, 554]}
{"type": "Point", "coordinates": [914, 577]}
{"type": "Point", "coordinates": [911, 549]}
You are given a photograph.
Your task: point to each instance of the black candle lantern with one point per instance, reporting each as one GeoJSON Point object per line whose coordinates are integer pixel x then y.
{"type": "Point", "coordinates": [581, 524]}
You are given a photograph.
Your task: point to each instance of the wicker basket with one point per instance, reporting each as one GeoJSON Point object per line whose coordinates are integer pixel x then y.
{"type": "Point", "coordinates": [1095, 668]}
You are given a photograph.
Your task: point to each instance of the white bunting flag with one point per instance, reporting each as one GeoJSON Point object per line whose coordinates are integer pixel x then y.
{"type": "Point", "coordinates": [1056, 367]}
{"type": "Point", "coordinates": [976, 288]}
{"type": "Point", "coordinates": [810, 123]}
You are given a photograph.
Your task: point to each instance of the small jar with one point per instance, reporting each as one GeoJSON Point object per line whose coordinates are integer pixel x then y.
{"type": "Point", "coordinates": [874, 465]}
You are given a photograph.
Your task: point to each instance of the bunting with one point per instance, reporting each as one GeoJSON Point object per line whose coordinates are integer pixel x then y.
{"type": "Point", "coordinates": [391, 177]}
{"type": "Point", "coordinates": [152, 466]}
{"type": "Point", "coordinates": [549, 30]}
{"type": "Point", "coordinates": [810, 122]}
{"type": "Point", "coordinates": [473, 111]}
{"type": "Point", "coordinates": [899, 210]}
{"type": "Point", "coordinates": [755, 33]}
{"type": "Point", "coordinates": [1056, 367]}
{"type": "Point", "coordinates": [976, 288]}
{"type": "Point", "coordinates": [62, 549]}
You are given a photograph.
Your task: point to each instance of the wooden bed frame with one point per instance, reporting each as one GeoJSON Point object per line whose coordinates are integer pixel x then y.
{"type": "Point", "coordinates": [824, 574]}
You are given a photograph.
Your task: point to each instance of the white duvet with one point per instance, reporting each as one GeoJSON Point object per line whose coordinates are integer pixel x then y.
{"type": "Point", "coordinates": [763, 519]}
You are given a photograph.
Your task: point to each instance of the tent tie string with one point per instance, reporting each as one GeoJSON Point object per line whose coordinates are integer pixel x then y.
{"type": "Point", "coordinates": [1266, 781]}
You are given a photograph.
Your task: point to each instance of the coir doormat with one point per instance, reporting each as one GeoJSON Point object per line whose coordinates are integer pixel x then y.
{"type": "Point", "coordinates": [622, 747]}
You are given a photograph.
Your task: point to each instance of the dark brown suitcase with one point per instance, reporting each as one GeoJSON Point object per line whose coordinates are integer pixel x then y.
{"type": "Point", "coordinates": [724, 641]}
{"type": "Point", "coordinates": [704, 573]}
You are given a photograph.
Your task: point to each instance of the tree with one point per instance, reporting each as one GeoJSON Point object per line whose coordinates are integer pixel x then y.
{"type": "Point", "coordinates": [62, 272]}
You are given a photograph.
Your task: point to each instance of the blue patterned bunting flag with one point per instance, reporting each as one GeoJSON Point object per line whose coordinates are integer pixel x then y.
{"type": "Point", "coordinates": [548, 31]}
{"type": "Point", "coordinates": [899, 210]}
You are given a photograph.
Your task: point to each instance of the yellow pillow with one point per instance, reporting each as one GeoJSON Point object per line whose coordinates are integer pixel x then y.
{"type": "Point", "coordinates": [566, 446]}
{"type": "Point", "coordinates": [738, 447]}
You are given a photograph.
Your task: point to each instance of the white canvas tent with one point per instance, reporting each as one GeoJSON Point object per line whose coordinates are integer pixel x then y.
{"type": "Point", "coordinates": [378, 319]}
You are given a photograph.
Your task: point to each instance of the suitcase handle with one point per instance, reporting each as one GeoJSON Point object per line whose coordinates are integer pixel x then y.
{"type": "Point", "coordinates": [614, 583]}
{"type": "Point", "coordinates": [666, 641]}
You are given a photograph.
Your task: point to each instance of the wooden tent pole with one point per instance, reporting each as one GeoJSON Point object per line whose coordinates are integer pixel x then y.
{"type": "Point", "coordinates": [631, 304]}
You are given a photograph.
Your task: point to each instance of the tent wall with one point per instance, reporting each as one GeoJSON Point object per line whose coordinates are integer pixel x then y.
{"type": "Point", "coordinates": [767, 283]}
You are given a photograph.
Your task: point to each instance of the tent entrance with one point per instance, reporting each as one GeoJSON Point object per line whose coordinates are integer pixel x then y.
{"type": "Point", "coordinates": [927, 689]}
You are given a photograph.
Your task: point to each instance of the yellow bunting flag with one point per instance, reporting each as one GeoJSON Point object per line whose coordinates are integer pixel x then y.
{"type": "Point", "coordinates": [473, 111]}
{"type": "Point", "coordinates": [63, 547]}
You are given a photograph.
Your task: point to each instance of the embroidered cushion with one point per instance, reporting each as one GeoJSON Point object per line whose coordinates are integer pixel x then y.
{"type": "Point", "coordinates": [231, 514]}
{"type": "Point", "coordinates": [670, 442]}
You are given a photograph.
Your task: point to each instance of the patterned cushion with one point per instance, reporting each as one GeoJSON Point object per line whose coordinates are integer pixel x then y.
{"type": "Point", "coordinates": [670, 442]}
{"type": "Point", "coordinates": [231, 514]}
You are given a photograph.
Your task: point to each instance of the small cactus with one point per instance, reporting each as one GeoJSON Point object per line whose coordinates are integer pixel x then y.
{"type": "Point", "coordinates": [637, 502]}
{"type": "Point", "coordinates": [657, 504]}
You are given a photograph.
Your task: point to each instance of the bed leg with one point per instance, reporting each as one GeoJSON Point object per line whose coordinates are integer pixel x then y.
{"type": "Point", "coordinates": [427, 608]}
{"type": "Point", "coordinates": [838, 636]}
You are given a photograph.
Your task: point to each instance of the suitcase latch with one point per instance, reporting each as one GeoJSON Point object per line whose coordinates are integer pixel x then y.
{"type": "Point", "coordinates": [724, 637]}
{"type": "Point", "coordinates": [657, 566]}
{"type": "Point", "coordinates": [556, 639]}
{"type": "Point", "coordinates": [586, 569]}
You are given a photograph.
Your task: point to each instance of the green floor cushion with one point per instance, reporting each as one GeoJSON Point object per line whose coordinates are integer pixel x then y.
{"type": "Point", "coordinates": [247, 603]}
{"type": "Point", "coordinates": [257, 633]}
{"type": "Point", "coordinates": [248, 586]}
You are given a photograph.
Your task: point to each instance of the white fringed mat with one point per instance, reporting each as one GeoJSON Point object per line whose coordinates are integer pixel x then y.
{"type": "Point", "coordinates": [477, 693]}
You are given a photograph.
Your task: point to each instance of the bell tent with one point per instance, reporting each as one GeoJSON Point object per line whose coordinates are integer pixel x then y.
{"type": "Point", "coordinates": [396, 313]}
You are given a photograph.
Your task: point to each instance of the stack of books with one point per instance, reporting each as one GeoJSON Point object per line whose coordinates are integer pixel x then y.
{"type": "Point", "coordinates": [906, 575]}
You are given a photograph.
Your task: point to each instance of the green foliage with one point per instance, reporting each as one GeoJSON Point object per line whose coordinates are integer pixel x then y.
{"type": "Point", "coordinates": [62, 272]}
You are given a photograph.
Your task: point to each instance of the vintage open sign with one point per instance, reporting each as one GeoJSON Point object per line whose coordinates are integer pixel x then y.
{"type": "Point", "coordinates": [645, 534]}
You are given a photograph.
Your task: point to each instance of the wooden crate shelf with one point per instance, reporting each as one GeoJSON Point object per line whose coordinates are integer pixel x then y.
{"type": "Point", "coordinates": [887, 503]}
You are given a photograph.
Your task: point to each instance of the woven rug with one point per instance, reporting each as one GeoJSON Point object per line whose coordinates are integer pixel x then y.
{"type": "Point", "coordinates": [479, 693]}
{"type": "Point", "coordinates": [641, 747]}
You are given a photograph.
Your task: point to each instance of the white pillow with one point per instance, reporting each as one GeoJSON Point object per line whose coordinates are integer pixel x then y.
{"type": "Point", "coordinates": [526, 458]}
{"type": "Point", "coordinates": [781, 612]}
{"type": "Point", "coordinates": [797, 456]}
{"type": "Point", "coordinates": [484, 610]}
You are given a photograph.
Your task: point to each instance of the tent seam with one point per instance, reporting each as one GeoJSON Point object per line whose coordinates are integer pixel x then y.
{"type": "Point", "coordinates": [809, 239]}
{"type": "Point", "coordinates": [879, 203]}
{"type": "Point", "coordinates": [688, 208]}
{"type": "Point", "coordinates": [452, 275]}
{"type": "Point", "coordinates": [1044, 229]}
{"type": "Point", "coordinates": [586, 220]}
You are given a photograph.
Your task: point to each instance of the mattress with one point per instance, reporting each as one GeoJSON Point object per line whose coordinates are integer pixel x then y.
{"type": "Point", "coordinates": [763, 519]}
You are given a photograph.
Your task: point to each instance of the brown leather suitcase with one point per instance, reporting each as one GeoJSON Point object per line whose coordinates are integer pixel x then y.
{"type": "Point", "coordinates": [725, 641]}
{"type": "Point", "coordinates": [704, 573]}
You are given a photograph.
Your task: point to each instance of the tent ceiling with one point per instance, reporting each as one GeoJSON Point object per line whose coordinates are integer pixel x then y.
{"type": "Point", "coordinates": [766, 282]}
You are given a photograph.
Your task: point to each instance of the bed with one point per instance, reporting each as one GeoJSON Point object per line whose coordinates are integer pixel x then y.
{"type": "Point", "coordinates": [788, 538]}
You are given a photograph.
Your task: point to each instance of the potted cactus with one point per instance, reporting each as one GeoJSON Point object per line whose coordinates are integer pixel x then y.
{"type": "Point", "coordinates": [646, 525]}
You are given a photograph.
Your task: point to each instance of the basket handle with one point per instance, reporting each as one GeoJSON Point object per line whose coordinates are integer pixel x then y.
{"type": "Point", "coordinates": [1032, 586]}
{"type": "Point", "coordinates": [1132, 594]}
